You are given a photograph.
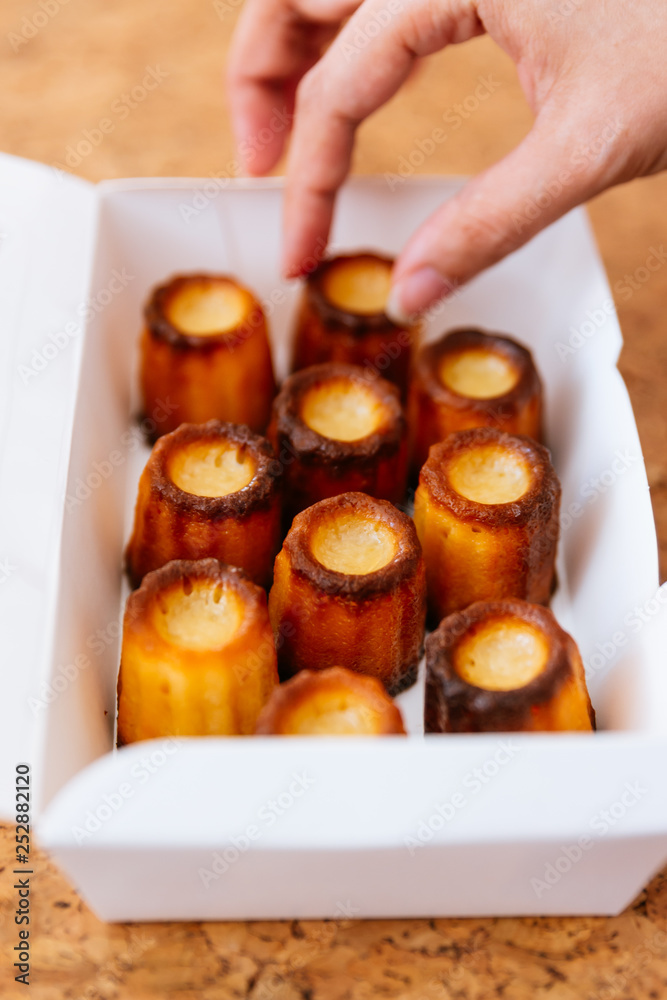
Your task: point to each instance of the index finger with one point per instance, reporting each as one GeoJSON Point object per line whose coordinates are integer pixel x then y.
{"type": "Point", "coordinates": [363, 68]}
{"type": "Point", "coordinates": [275, 42]}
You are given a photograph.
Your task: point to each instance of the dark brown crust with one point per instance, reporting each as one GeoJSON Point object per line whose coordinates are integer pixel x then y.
{"type": "Point", "coordinates": [309, 682]}
{"type": "Point", "coordinates": [453, 705]}
{"type": "Point", "coordinates": [510, 403]}
{"type": "Point", "coordinates": [332, 315]}
{"type": "Point", "coordinates": [357, 587]}
{"type": "Point", "coordinates": [260, 492]}
{"type": "Point", "coordinates": [536, 505]}
{"type": "Point", "coordinates": [155, 314]}
{"type": "Point", "coordinates": [172, 573]}
{"type": "Point", "coordinates": [315, 449]}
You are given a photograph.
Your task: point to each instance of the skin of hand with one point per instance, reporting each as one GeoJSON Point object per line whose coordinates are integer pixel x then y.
{"type": "Point", "coordinates": [595, 80]}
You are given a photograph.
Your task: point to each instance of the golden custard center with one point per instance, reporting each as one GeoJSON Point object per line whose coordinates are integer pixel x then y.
{"type": "Point", "coordinates": [207, 308]}
{"type": "Point", "coordinates": [501, 655]}
{"type": "Point", "coordinates": [199, 615]}
{"type": "Point", "coordinates": [353, 544]}
{"type": "Point", "coordinates": [343, 409]}
{"type": "Point", "coordinates": [211, 469]}
{"type": "Point", "coordinates": [358, 285]}
{"type": "Point", "coordinates": [489, 474]}
{"type": "Point", "coordinates": [478, 373]}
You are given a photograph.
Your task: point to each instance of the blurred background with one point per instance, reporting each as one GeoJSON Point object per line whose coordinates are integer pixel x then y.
{"type": "Point", "coordinates": [153, 73]}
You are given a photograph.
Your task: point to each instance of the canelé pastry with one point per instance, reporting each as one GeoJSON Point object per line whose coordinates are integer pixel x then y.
{"type": "Point", "coordinates": [342, 318]}
{"type": "Point", "coordinates": [208, 489]}
{"type": "Point", "coordinates": [198, 656]}
{"type": "Point", "coordinates": [349, 590]}
{"type": "Point", "coordinates": [334, 431]}
{"type": "Point", "coordinates": [469, 378]}
{"type": "Point", "coordinates": [486, 512]}
{"type": "Point", "coordinates": [205, 352]}
{"type": "Point", "coordinates": [332, 702]}
{"type": "Point", "coordinates": [504, 666]}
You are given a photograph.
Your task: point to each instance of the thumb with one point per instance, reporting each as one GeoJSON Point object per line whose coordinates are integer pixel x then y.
{"type": "Point", "coordinates": [559, 165]}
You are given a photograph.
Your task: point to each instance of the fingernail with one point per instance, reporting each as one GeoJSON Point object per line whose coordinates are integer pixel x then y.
{"type": "Point", "coordinates": [413, 293]}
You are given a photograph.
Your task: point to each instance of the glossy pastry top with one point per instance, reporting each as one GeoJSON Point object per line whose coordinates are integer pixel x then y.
{"type": "Point", "coordinates": [486, 475]}
{"type": "Point", "coordinates": [217, 467]}
{"type": "Point", "coordinates": [197, 309]}
{"type": "Point", "coordinates": [201, 613]}
{"type": "Point", "coordinates": [470, 366]}
{"type": "Point", "coordinates": [331, 702]}
{"type": "Point", "coordinates": [333, 411]}
{"type": "Point", "coordinates": [501, 653]}
{"type": "Point", "coordinates": [353, 544]}
{"type": "Point", "coordinates": [496, 659]}
{"type": "Point", "coordinates": [478, 373]}
{"type": "Point", "coordinates": [358, 284]}
{"type": "Point", "coordinates": [343, 408]}
{"type": "Point", "coordinates": [352, 290]}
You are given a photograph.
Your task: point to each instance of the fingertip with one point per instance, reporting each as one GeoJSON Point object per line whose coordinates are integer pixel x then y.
{"type": "Point", "coordinates": [414, 292]}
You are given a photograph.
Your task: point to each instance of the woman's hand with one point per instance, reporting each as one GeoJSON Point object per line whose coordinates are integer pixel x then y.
{"type": "Point", "coordinates": [595, 78]}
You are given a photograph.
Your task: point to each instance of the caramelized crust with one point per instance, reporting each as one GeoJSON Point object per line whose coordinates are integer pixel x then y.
{"type": "Point", "coordinates": [469, 378]}
{"type": "Point", "coordinates": [342, 318]}
{"type": "Point", "coordinates": [480, 551]}
{"type": "Point", "coordinates": [331, 702]}
{"type": "Point", "coordinates": [529, 672]}
{"type": "Point", "coordinates": [198, 656]}
{"type": "Point", "coordinates": [339, 399]}
{"type": "Point", "coordinates": [224, 373]}
{"type": "Point", "coordinates": [349, 590]}
{"type": "Point", "coordinates": [241, 527]}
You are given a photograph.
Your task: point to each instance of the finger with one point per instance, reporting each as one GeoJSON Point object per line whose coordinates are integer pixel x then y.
{"type": "Point", "coordinates": [363, 68]}
{"type": "Point", "coordinates": [561, 163]}
{"type": "Point", "coordinates": [274, 44]}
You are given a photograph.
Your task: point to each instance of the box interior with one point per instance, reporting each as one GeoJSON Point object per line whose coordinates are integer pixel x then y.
{"type": "Point", "coordinates": [544, 295]}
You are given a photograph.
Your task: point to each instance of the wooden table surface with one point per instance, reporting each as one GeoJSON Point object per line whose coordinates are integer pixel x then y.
{"type": "Point", "coordinates": [64, 67]}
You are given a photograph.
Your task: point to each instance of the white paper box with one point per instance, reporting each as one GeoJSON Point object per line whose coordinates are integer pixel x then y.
{"type": "Point", "coordinates": [256, 828]}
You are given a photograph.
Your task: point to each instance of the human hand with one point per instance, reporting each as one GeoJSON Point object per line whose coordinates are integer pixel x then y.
{"type": "Point", "coordinates": [595, 80]}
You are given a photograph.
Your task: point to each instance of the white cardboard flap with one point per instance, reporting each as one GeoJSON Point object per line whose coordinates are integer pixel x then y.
{"type": "Point", "coordinates": [46, 240]}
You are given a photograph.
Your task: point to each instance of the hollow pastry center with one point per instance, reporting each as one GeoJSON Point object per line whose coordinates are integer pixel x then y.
{"type": "Point", "coordinates": [358, 284]}
{"type": "Point", "coordinates": [332, 714]}
{"type": "Point", "coordinates": [207, 308]}
{"type": "Point", "coordinates": [199, 614]}
{"type": "Point", "coordinates": [478, 373]}
{"type": "Point", "coordinates": [342, 409]}
{"type": "Point", "coordinates": [353, 544]}
{"type": "Point", "coordinates": [489, 474]}
{"type": "Point", "coordinates": [501, 655]}
{"type": "Point", "coordinates": [211, 469]}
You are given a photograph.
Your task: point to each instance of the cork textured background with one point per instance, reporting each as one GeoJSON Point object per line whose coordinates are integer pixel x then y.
{"type": "Point", "coordinates": [65, 67]}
